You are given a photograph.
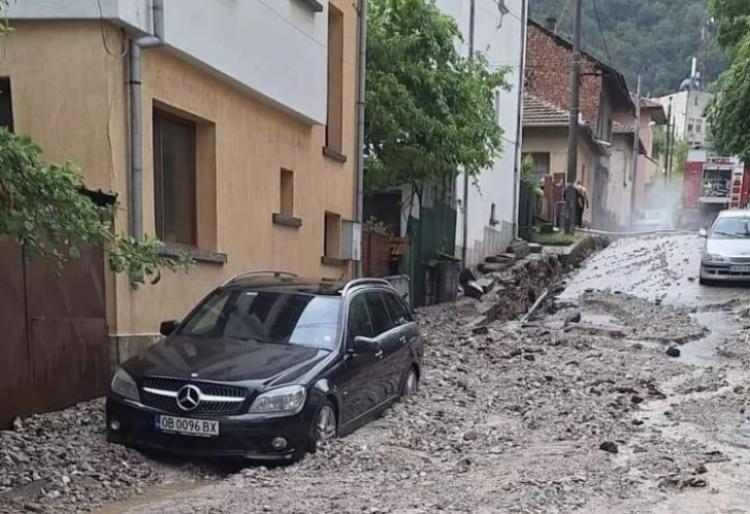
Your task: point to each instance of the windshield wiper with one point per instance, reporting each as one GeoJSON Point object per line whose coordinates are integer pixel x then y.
{"type": "Point", "coordinates": [727, 234]}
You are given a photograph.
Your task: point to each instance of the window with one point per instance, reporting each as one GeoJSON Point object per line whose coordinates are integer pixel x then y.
{"type": "Point", "coordinates": [381, 322]}
{"type": "Point", "coordinates": [334, 125]}
{"type": "Point", "coordinates": [267, 317]}
{"type": "Point", "coordinates": [541, 165]}
{"type": "Point", "coordinates": [397, 309]}
{"type": "Point", "coordinates": [6, 104]}
{"type": "Point", "coordinates": [691, 123]}
{"type": "Point", "coordinates": [175, 178]}
{"type": "Point", "coordinates": [287, 193]}
{"type": "Point", "coordinates": [332, 235]}
{"type": "Point", "coordinates": [698, 126]}
{"type": "Point", "coordinates": [359, 319]}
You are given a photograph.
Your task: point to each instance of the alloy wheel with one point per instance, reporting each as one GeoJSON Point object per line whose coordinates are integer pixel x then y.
{"type": "Point", "coordinates": [326, 424]}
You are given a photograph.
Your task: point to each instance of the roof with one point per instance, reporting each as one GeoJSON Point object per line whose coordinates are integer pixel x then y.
{"type": "Point", "coordinates": [540, 113]}
{"type": "Point", "coordinates": [615, 79]}
{"type": "Point", "coordinates": [656, 109]}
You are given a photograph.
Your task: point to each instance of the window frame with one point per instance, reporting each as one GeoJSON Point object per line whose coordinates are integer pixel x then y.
{"type": "Point", "coordinates": [159, 118]}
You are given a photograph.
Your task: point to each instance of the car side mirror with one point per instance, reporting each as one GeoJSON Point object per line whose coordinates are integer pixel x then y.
{"type": "Point", "coordinates": [167, 327]}
{"type": "Point", "coordinates": [703, 232]}
{"type": "Point", "coordinates": [365, 345]}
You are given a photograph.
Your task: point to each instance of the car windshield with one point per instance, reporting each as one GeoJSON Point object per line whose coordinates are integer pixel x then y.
{"type": "Point", "coordinates": [731, 228]}
{"type": "Point", "coordinates": [271, 317]}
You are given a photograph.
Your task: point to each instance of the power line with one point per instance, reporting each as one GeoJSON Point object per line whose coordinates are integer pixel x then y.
{"type": "Point", "coordinates": [601, 31]}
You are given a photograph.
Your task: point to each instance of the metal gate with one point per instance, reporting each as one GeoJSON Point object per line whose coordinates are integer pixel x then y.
{"type": "Point", "coordinates": [54, 345]}
{"type": "Point", "coordinates": [526, 211]}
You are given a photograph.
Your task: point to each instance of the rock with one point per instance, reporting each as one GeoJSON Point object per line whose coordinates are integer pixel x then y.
{"type": "Point", "coordinates": [33, 507]}
{"type": "Point", "coordinates": [701, 469]}
{"type": "Point", "coordinates": [503, 258]}
{"type": "Point", "coordinates": [529, 357]}
{"type": "Point", "coordinates": [738, 389]}
{"type": "Point", "coordinates": [637, 422]}
{"type": "Point", "coordinates": [673, 351]}
{"type": "Point", "coordinates": [573, 318]}
{"type": "Point", "coordinates": [17, 425]}
{"type": "Point", "coordinates": [535, 248]}
{"type": "Point", "coordinates": [636, 399]}
{"type": "Point", "coordinates": [695, 482]}
{"type": "Point", "coordinates": [609, 447]}
{"type": "Point", "coordinates": [480, 330]}
{"type": "Point", "coordinates": [486, 267]}
{"type": "Point", "coordinates": [471, 435]}
{"type": "Point", "coordinates": [520, 249]}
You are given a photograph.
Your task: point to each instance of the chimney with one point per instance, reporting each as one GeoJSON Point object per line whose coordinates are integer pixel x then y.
{"type": "Point", "coordinates": [551, 24]}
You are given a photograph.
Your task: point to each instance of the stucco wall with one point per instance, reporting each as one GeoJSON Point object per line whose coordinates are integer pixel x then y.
{"type": "Point", "coordinates": [276, 49]}
{"type": "Point", "coordinates": [69, 94]}
{"type": "Point", "coordinates": [499, 38]}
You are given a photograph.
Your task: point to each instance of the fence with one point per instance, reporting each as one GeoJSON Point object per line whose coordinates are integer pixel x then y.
{"type": "Point", "coordinates": [526, 211]}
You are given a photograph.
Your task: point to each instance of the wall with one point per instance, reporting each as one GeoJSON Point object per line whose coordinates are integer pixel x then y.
{"type": "Point", "coordinates": [619, 185]}
{"type": "Point", "coordinates": [555, 142]}
{"type": "Point", "coordinates": [79, 112]}
{"type": "Point", "coordinates": [547, 74]}
{"type": "Point", "coordinates": [499, 38]}
{"type": "Point", "coordinates": [275, 49]}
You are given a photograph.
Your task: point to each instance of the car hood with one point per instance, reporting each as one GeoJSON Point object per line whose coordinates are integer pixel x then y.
{"type": "Point", "coordinates": [226, 360]}
{"type": "Point", "coordinates": [729, 247]}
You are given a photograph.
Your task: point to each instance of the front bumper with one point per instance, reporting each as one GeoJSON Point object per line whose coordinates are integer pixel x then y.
{"type": "Point", "coordinates": [240, 437]}
{"type": "Point", "coordinates": [725, 272]}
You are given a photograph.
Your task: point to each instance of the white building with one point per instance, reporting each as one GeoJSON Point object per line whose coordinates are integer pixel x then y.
{"type": "Point", "coordinates": [499, 34]}
{"type": "Point", "coordinates": [689, 115]}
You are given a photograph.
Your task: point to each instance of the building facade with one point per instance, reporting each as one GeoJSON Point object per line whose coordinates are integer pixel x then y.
{"type": "Point", "coordinates": [499, 34]}
{"type": "Point", "coordinates": [689, 114]}
{"type": "Point", "coordinates": [247, 132]}
{"type": "Point", "coordinates": [604, 97]}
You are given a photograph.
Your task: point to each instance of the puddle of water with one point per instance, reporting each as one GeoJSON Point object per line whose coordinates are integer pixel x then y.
{"type": "Point", "coordinates": [152, 495]}
{"type": "Point", "coordinates": [703, 352]}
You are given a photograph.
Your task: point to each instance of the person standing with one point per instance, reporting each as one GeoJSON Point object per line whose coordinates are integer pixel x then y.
{"type": "Point", "coordinates": [582, 203]}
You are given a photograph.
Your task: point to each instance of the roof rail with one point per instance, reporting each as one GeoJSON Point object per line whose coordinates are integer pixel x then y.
{"type": "Point", "coordinates": [264, 272]}
{"type": "Point", "coordinates": [363, 281]}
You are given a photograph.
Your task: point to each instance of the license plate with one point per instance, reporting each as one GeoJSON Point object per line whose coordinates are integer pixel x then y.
{"type": "Point", "coordinates": [187, 426]}
{"type": "Point", "coordinates": [740, 269]}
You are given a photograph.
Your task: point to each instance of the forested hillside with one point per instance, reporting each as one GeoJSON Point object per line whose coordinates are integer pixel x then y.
{"type": "Point", "coordinates": [656, 38]}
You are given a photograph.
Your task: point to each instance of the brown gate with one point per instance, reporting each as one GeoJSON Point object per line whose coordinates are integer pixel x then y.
{"type": "Point", "coordinates": [53, 342]}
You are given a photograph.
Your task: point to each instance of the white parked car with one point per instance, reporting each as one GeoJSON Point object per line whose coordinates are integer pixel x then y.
{"type": "Point", "coordinates": [726, 256]}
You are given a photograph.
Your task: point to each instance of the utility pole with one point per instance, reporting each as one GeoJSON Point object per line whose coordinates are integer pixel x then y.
{"type": "Point", "coordinates": [671, 153]}
{"type": "Point", "coordinates": [571, 196]}
{"type": "Point", "coordinates": [465, 245]}
{"type": "Point", "coordinates": [669, 141]}
{"type": "Point", "coordinates": [636, 149]}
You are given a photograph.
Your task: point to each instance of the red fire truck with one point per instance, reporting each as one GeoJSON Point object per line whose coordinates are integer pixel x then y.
{"type": "Point", "coordinates": [713, 183]}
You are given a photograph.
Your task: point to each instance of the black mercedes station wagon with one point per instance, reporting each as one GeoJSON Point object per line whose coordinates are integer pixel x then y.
{"type": "Point", "coordinates": [267, 367]}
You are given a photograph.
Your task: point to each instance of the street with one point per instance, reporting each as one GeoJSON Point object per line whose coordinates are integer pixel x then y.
{"type": "Point", "coordinates": [563, 415]}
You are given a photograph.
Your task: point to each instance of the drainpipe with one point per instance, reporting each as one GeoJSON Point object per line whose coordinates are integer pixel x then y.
{"type": "Point", "coordinates": [136, 116]}
{"type": "Point", "coordinates": [519, 125]}
{"type": "Point", "coordinates": [361, 78]}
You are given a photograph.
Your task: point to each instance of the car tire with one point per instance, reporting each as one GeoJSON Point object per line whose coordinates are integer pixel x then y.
{"type": "Point", "coordinates": [705, 282]}
{"type": "Point", "coordinates": [411, 383]}
{"type": "Point", "coordinates": [324, 427]}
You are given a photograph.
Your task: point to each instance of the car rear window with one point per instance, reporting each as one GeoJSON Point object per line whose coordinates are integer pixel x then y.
{"type": "Point", "coordinates": [274, 317]}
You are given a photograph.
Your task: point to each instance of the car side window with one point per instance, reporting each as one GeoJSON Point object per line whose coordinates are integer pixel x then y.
{"type": "Point", "coordinates": [359, 323]}
{"type": "Point", "coordinates": [381, 321]}
{"type": "Point", "coordinates": [399, 313]}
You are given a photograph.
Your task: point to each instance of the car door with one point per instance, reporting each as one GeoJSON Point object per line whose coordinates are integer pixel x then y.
{"type": "Point", "coordinates": [388, 335]}
{"type": "Point", "coordinates": [397, 359]}
{"type": "Point", "coordinates": [359, 370]}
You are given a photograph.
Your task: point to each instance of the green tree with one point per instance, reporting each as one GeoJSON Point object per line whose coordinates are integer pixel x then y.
{"type": "Point", "coordinates": [429, 110]}
{"type": "Point", "coordinates": [729, 115]}
{"type": "Point", "coordinates": [42, 208]}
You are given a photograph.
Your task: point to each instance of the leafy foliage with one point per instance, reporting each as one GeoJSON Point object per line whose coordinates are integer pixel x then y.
{"type": "Point", "coordinates": [42, 208]}
{"type": "Point", "coordinates": [656, 38]}
{"type": "Point", "coordinates": [429, 110]}
{"type": "Point", "coordinates": [729, 115]}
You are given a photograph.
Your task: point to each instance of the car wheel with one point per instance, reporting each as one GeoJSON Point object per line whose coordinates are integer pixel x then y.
{"type": "Point", "coordinates": [705, 282]}
{"type": "Point", "coordinates": [324, 427]}
{"type": "Point", "coordinates": [411, 383]}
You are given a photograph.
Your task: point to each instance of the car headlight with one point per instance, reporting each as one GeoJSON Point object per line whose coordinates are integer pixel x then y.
{"type": "Point", "coordinates": [284, 400]}
{"type": "Point", "coordinates": [712, 257]}
{"type": "Point", "coordinates": [124, 385]}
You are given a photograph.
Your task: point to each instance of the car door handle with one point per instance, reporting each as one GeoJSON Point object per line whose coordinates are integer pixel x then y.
{"type": "Point", "coordinates": [379, 354]}
{"type": "Point", "coordinates": [402, 339]}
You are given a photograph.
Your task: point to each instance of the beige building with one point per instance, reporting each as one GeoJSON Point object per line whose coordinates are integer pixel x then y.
{"type": "Point", "coordinates": [545, 139]}
{"type": "Point", "coordinates": [248, 132]}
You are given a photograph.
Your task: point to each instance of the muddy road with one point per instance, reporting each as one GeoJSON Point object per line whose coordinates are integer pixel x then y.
{"type": "Point", "coordinates": [580, 410]}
